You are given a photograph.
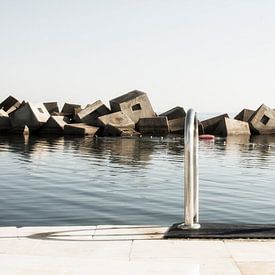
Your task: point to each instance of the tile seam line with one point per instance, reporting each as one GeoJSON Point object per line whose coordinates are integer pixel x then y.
{"type": "Point", "coordinates": [94, 232]}
{"type": "Point", "coordinates": [231, 257]}
{"type": "Point", "coordinates": [237, 264]}
{"type": "Point", "coordinates": [131, 250]}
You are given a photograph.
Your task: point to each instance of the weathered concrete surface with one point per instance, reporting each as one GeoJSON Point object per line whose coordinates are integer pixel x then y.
{"type": "Point", "coordinates": [55, 125]}
{"type": "Point", "coordinates": [263, 121]}
{"type": "Point", "coordinates": [127, 250]}
{"type": "Point", "coordinates": [135, 104]}
{"type": "Point", "coordinates": [70, 110]}
{"type": "Point", "coordinates": [91, 112]}
{"type": "Point", "coordinates": [244, 115]}
{"type": "Point", "coordinates": [153, 126]}
{"type": "Point", "coordinates": [118, 119]}
{"type": "Point", "coordinates": [176, 119]}
{"type": "Point", "coordinates": [229, 126]}
{"type": "Point", "coordinates": [22, 130]}
{"type": "Point", "coordinates": [113, 131]}
{"type": "Point", "coordinates": [5, 122]}
{"type": "Point", "coordinates": [209, 126]}
{"type": "Point", "coordinates": [10, 104]}
{"type": "Point", "coordinates": [32, 115]}
{"type": "Point", "coordinates": [52, 107]}
{"type": "Point", "coordinates": [80, 129]}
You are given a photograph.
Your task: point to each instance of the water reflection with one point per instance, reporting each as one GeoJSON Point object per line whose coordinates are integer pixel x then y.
{"type": "Point", "coordinates": [127, 151]}
{"type": "Point", "coordinates": [249, 151]}
{"type": "Point", "coordinates": [263, 140]}
{"type": "Point", "coordinates": [133, 151]}
{"type": "Point", "coordinates": [57, 180]}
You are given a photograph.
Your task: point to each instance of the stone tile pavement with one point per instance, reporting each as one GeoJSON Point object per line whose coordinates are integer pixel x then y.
{"type": "Point", "coordinates": [127, 250]}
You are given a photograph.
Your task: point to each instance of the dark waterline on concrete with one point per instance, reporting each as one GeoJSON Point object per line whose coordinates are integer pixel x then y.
{"type": "Point", "coordinates": [84, 181]}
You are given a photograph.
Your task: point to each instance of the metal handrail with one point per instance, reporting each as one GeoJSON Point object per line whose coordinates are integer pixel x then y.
{"type": "Point", "coordinates": [191, 183]}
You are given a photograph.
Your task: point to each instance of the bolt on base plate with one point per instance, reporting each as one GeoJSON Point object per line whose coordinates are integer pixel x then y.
{"type": "Point", "coordinates": [189, 227]}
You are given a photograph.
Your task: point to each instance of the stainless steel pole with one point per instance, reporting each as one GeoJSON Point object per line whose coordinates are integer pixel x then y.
{"type": "Point", "coordinates": [191, 188]}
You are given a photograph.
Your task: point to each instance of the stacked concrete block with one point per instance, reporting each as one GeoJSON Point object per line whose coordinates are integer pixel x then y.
{"type": "Point", "coordinates": [113, 131]}
{"type": "Point", "coordinates": [52, 107]}
{"type": "Point", "coordinates": [176, 119]}
{"type": "Point", "coordinates": [70, 110]}
{"type": "Point", "coordinates": [134, 104]}
{"type": "Point", "coordinates": [32, 115]}
{"type": "Point", "coordinates": [55, 125]}
{"type": "Point", "coordinates": [10, 104]}
{"type": "Point", "coordinates": [80, 129]}
{"type": "Point", "coordinates": [5, 123]}
{"type": "Point", "coordinates": [130, 115]}
{"type": "Point", "coordinates": [20, 131]}
{"type": "Point", "coordinates": [155, 126]}
{"type": "Point", "coordinates": [244, 115]}
{"type": "Point", "coordinates": [118, 119]}
{"type": "Point", "coordinates": [209, 126]}
{"type": "Point", "coordinates": [229, 126]}
{"type": "Point", "coordinates": [263, 121]}
{"type": "Point", "coordinates": [91, 112]}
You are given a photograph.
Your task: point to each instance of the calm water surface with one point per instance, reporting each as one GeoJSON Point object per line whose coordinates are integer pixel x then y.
{"type": "Point", "coordinates": [84, 181]}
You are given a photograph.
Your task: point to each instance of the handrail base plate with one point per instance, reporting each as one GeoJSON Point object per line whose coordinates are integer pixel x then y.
{"type": "Point", "coordinates": [184, 226]}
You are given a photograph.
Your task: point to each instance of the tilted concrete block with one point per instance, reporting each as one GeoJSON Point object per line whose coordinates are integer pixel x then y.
{"type": "Point", "coordinates": [209, 126]}
{"type": "Point", "coordinates": [229, 126]}
{"type": "Point", "coordinates": [5, 122]}
{"type": "Point", "coordinates": [10, 104]}
{"type": "Point", "coordinates": [134, 104]}
{"type": "Point", "coordinates": [118, 119]}
{"type": "Point", "coordinates": [58, 114]}
{"type": "Point", "coordinates": [176, 119]}
{"type": "Point", "coordinates": [70, 110]}
{"type": "Point", "coordinates": [244, 115]}
{"type": "Point", "coordinates": [263, 121]}
{"type": "Point", "coordinates": [80, 129]}
{"type": "Point", "coordinates": [24, 130]}
{"type": "Point", "coordinates": [55, 125]}
{"type": "Point", "coordinates": [154, 126]}
{"type": "Point", "coordinates": [113, 131]}
{"type": "Point", "coordinates": [52, 107]}
{"type": "Point", "coordinates": [91, 112]}
{"type": "Point", "coordinates": [32, 115]}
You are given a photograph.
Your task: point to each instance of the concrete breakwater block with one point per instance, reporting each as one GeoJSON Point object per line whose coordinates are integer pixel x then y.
{"type": "Point", "coordinates": [209, 126]}
{"type": "Point", "coordinates": [229, 126]}
{"type": "Point", "coordinates": [80, 129]}
{"type": "Point", "coordinates": [55, 125]}
{"type": "Point", "coordinates": [52, 107]}
{"type": "Point", "coordinates": [223, 231]}
{"type": "Point", "coordinates": [23, 130]}
{"type": "Point", "coordinates": [263, 121]}
{"type": "Point", "coordinates": [134, 104]}
{"type": "Point", "coordinates": [176, 119]}
{"type": "Point", "coordinates": [32, 115]}
{"type": "Point", "coordinates": [91, 112]}
{"type": "Point", "coordinates": [10, 104]}
{"type": "Point", "coordinates": [153, 126]}
{"type": "Point", "coordinates": [118, 119]}
{"type": "Point", "coordinates": [244, 115]}
{"type": "Point", "coordinates": [5, 122]}
{"type": "Point", "coordinates": [113, 131]}
{"type": "Point", "coordinates": [70, 110]}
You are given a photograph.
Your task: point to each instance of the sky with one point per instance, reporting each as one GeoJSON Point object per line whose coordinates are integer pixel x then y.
{"type": "Point", "coordinates": [213, 56]}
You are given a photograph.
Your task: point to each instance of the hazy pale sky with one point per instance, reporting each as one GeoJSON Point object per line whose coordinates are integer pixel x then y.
{"type": "Point", "coordinates": [208, 55]}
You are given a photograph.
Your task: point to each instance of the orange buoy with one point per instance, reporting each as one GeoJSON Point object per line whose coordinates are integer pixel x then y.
{"type": "Point", "coordinates": [207, 137]}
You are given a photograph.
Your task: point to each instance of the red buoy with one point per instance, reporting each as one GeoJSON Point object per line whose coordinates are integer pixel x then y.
{"type": "Point", "coordinates": [207, 137]}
